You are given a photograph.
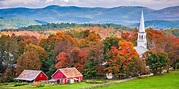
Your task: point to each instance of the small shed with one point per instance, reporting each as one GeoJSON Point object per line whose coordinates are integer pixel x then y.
{"type": "Point", "coordinates": [67, 75]}
{"type": "Point", "coordinates": [32, 76]}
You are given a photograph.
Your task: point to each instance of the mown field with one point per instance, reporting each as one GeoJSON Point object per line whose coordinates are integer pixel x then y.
{"type": "Point", "coordinates": [164, 81]}
{"type": "Point", "coordinates": [47, 86]}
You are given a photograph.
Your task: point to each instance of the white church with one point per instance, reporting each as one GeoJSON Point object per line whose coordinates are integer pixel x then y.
{"type": "Point", "coordinates": [141, 41]}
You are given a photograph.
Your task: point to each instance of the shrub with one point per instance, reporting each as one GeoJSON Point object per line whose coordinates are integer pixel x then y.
{"type": "Point", "coordinates": [2, 80]}
{"type": "Point", "coordinates": [7, 76]}
{"type": "Point", "coordinates": [21, 84]}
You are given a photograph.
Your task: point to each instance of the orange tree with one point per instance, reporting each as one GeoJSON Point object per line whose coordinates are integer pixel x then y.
{"type": "Point", "coordinates": [158, 41]}
{"type": "Point", "coordinates": [119, 59]}
{"type": "Point", "coordinates": [51, 46]}
{"type": "Point", "coordinates": [172, 49]}
{"type": "Point", "coordinates": [73, 58]}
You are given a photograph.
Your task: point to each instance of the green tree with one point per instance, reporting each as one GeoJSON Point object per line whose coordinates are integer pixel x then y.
{"type": "Point", "coordinates": [8, 52]}
{"type": "Point", "coordinates": [156, 61]}
{"type": "Point", "coordinates": [93, 62]}
{"type": "Point", "coordinates": [3, 43]}
{"type": "Point", "coordinates": [90, 67]}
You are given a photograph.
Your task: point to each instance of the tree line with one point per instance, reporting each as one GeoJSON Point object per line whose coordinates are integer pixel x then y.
{"type": "Point", "coordinates": [92, 53]}
{"type": "Point", "coordinates": [51, 26]}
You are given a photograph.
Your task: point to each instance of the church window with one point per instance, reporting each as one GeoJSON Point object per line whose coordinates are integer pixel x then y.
{"type": "Point", "coordinates": [141, 37]}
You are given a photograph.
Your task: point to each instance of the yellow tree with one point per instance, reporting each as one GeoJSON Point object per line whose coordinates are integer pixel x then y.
{"type": "Point", "coordinates": [28, 60]}
{"type": "Point", "coordinates": [41, 52]}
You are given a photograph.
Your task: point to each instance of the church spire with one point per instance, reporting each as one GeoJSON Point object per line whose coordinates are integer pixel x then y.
{"type": "Point", "coordinates": [142, 41]}
{"type": "Point", "coordinates": [142, 25]}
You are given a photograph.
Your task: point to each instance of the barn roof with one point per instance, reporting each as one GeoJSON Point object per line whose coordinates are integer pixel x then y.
{"type": "Point", "coordinates": [29, 75]}
{"type": "Point", "coordinates": [70, 72]}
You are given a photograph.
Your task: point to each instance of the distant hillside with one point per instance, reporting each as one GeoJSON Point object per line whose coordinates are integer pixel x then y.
{"type": "Point", "coordinates": [172, 31]}
{"type": "Point", "coordinates": [14, 23]}
{"type": "Point", "coordinates": [125, 15]}
{"type": "Point", "coordinates": [51, 26]}
{"type": "Point", "coordinates": [160, 24]}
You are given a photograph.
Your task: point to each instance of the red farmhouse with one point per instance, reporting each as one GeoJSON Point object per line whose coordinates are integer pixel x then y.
{"type": "Point", "coordinates": [32, 75]}
{"type": "Point", "coordinates": [67, 75]}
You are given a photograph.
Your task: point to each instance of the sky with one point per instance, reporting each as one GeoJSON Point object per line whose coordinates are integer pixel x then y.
{"type": "Point", "coordinates": [153, 4]}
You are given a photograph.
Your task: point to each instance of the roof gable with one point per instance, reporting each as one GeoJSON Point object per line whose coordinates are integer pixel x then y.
{"type": "Point", "coordinates": [70, 72]}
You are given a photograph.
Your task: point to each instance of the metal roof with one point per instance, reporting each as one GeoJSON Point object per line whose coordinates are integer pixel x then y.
{"type": "Point", "coordinates": [70, 72]}
{"type": "Point", "coordinates": [140, 50]}
{"type": "Point", "coordinates": [29, 75]}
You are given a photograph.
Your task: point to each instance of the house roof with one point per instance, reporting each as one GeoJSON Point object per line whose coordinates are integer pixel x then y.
{"type": "Point", "coordinates": [140, 50]}
{"type": "Point", "coordinates": [70, 72]}
{"type": "Point", "coordinates": [29, 75]}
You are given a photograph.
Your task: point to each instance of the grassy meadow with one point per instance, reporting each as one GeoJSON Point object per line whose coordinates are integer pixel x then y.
{"type": "Point", "coordinates": [164, 81]}
{"type": "Point", "coordinates": [48, 86]}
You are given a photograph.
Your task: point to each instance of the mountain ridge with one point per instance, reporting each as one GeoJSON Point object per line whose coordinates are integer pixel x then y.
{"type": "Point", "coordinates": [125, 15]}
{"type": "Point", "coordinates": [160, 24]}
{"type": "Point", "coordinates": [15, 23]}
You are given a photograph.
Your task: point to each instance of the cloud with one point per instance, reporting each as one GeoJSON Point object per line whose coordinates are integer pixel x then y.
{"type": "Point", "coordinates": [47, 1]}
{"type": "Point", "coordinates": [155, 4]}
{"type": "Point", "coordinates": [66, 0]}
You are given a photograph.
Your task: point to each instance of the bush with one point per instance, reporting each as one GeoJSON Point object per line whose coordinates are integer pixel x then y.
{"type": "Point", "coordinates": [7, 76]}
{"type": "Point", "coordinates": [21, 84]}
{"type": "Point", "coordinates": [1, 80]}
{"type": "Point", "coordinates": [38, 84]}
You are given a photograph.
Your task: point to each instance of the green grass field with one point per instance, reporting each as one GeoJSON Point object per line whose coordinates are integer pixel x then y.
{"type": "Point", "coordinates": [48, 86]}
{"type": "Point", "coordinates": [165, 81]}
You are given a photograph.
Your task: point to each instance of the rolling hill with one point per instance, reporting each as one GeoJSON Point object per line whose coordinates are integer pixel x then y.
{"type": "Point", "coordinates": [125, 15]}
{"type": "Point", "coordinates": [160, 24]}
{"type": "Point", "coordinates": [14, 23]}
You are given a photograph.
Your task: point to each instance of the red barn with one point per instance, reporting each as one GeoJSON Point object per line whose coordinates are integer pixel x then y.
{"type": "Point", "coordinates": [67, 75]}
{"type": "Point", "coordinates": [32, 75]}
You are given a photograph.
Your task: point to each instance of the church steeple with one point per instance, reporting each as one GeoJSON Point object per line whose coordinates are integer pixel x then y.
{"type": "Point", "coordinates": [141, 41]}
{"type": "Point", "coordinates": [142, 25]}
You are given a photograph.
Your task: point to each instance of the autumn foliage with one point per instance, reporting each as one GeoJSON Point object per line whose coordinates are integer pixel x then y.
{"type": "Point", "coordinates": [119, 58]}
{"type": "Point", "coordinates": [93, 51]}
{"type": "Point", "coordinates": [29, 60]}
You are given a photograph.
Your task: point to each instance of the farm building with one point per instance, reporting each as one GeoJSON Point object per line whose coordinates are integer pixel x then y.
{"type": "Point", "coordinates": [67, 75]}
{"type": "Point", "coordinates": [32, 76]}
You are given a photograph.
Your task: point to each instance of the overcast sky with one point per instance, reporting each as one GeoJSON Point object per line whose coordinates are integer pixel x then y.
{"type": "Point", "coordinates": [154, 4]}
